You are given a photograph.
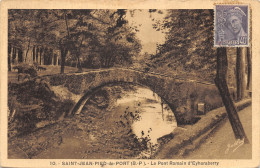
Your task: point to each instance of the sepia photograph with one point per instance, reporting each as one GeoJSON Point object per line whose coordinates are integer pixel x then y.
{"type": "Point", "coordinates": [139, 87]}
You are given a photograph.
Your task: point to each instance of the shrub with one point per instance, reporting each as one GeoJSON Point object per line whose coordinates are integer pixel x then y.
{"type": "Point", "coordinates": [30, 102]}
{"type": "Point", "coordinates": [26, 69]}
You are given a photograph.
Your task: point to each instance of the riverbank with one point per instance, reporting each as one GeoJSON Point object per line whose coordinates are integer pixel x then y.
{"type": "Point", "coordinates": [190, 137]}
{"type": "Point", "coordinates": [112, 128]}
{"type": "Point", "coordinates": [223, 145]}
{"type": "Point", "coordinates": [99, 131]}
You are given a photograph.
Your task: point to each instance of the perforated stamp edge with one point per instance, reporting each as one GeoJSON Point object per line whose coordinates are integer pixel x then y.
{"type": "Point", "coordinates": [249, 23]}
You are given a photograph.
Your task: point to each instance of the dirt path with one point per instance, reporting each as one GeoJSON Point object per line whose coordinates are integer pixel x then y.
{"type": "Point", "coordinates": [94, 136]}
{"type": "Point", "coordinates": [222, 144]}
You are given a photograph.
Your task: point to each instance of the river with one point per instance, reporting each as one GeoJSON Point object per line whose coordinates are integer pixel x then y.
{"type": "Point", "coordinates": [156, 118]}
{"type": "Point", "coordinates": [119, 121]}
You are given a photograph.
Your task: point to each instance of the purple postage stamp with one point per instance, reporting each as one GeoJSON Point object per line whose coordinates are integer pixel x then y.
{"type": "Point", "coordinates": [231, 27]}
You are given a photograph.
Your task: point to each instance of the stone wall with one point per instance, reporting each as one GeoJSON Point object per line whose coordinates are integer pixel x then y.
{"type": "Point", "coordinates": [180, 94]}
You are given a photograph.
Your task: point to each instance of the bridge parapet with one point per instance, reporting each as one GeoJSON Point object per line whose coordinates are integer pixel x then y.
{"type": "Point", "coordinates": [181, 95]}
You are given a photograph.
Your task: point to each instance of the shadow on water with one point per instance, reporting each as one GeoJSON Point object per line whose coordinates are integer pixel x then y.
{"type": "Point", "coordinates": [118, 121]}
{"type": "Point", "coordinates": [137, 113]}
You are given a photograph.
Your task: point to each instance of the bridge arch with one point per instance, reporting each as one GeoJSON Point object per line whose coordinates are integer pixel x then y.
{"type": "Point", "coordinates": [181, 95]}
{"type": "Point", "coordinates": [89, 93]}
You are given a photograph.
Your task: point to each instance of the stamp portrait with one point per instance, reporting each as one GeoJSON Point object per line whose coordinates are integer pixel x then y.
{"type": "Point", "coordinates": [231, 25]}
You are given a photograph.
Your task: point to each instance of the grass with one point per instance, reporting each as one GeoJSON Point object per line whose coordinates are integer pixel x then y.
{"type": "Point", "coordinates": [50, 70]}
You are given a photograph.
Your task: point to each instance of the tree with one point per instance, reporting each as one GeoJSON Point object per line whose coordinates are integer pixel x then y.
{"type": "Point", "coordinates": [80, 32]}
{"type": "Point", "coordinates": [121, 43]}
{"type": "Point", "coordinates": [188, 48]}
{"type": "Point", "coordinates": [249, 68]}
{"type": "Point", "coordinates": [59, 29]}
{"type": "Point", "coordinates": [9, 57]}
{"type": "Point", "coordinates": [221, 83]}
{"type": "Point", "coordinates": [23, 28]}
{"type": "Point", "coordinates": [19, 31]}
{"type": "Point", "coordinates": [100, 37]}
{"type": "Point", "coordinates": [98, 31]}
{"type": "Point", "coordinates": [240, 72]}
{"type": "Point", "coordinates": [189, 45]}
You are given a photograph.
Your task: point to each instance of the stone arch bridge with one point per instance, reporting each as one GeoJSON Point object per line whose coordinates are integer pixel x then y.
{"type": "Point", "coordinates": [182, 95]}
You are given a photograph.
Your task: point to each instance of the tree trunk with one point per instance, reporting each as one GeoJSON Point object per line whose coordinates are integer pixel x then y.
{"type": "Point", "coordinates": [240, 73]}
{"type": "Point", "coordinates": [79, 65]}
{"type": "Point", "coordinates": [63, 49]}
{"type": "Point", "coordinates": [109, 61]}
{"type": "Point", "coordinates": [33, 53]}
{"type": "Point", "coordinates": [249, 68]}
{"type": "Point", "coordinates": [221, 83]}
{"type": "Point", "coordinates": [78, 55]}
{"type": "Point", "coordinates": [108, 56]}
{"type": "Point", "coordinates": [9, 57]}
{"type": "Point", "coordinates": [28, 47]}
{"type": "Point", "coordinates": [37, 55]}
{"type": "Point", "coordinates": [63, 58]}
{"type": "Point", "coordinates": [45, 56]}
{"type": "Point", "coordinates": [14, 55]}
{"type": "Point", "coordinates": [41, 50]}
{"type": "Point", "coordinates": [20, 56]}
{"type": "Point", "coordinates": [51, 57]}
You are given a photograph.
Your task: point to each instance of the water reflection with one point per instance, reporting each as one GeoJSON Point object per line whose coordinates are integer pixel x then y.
{"type": "Point", "coordinates": [127, 121]}
{"type": "Point", "coordinates": [155, 118]}
{"type": "Point", "coordinates": [117, 122]}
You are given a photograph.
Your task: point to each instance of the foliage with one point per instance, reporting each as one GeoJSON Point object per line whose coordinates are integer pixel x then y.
{"type": "Point", "coordinates": [27, 69]}
{"type": "Point", "coordinates": [89, 38]}
{"type": "Point", "coordinates": [31, 102]}
{"type": "Point", "coordinates": [189, 43]}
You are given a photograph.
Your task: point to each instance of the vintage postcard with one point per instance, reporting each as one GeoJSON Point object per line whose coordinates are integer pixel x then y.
{"type": "Point", "coordinates": [159, 83]}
